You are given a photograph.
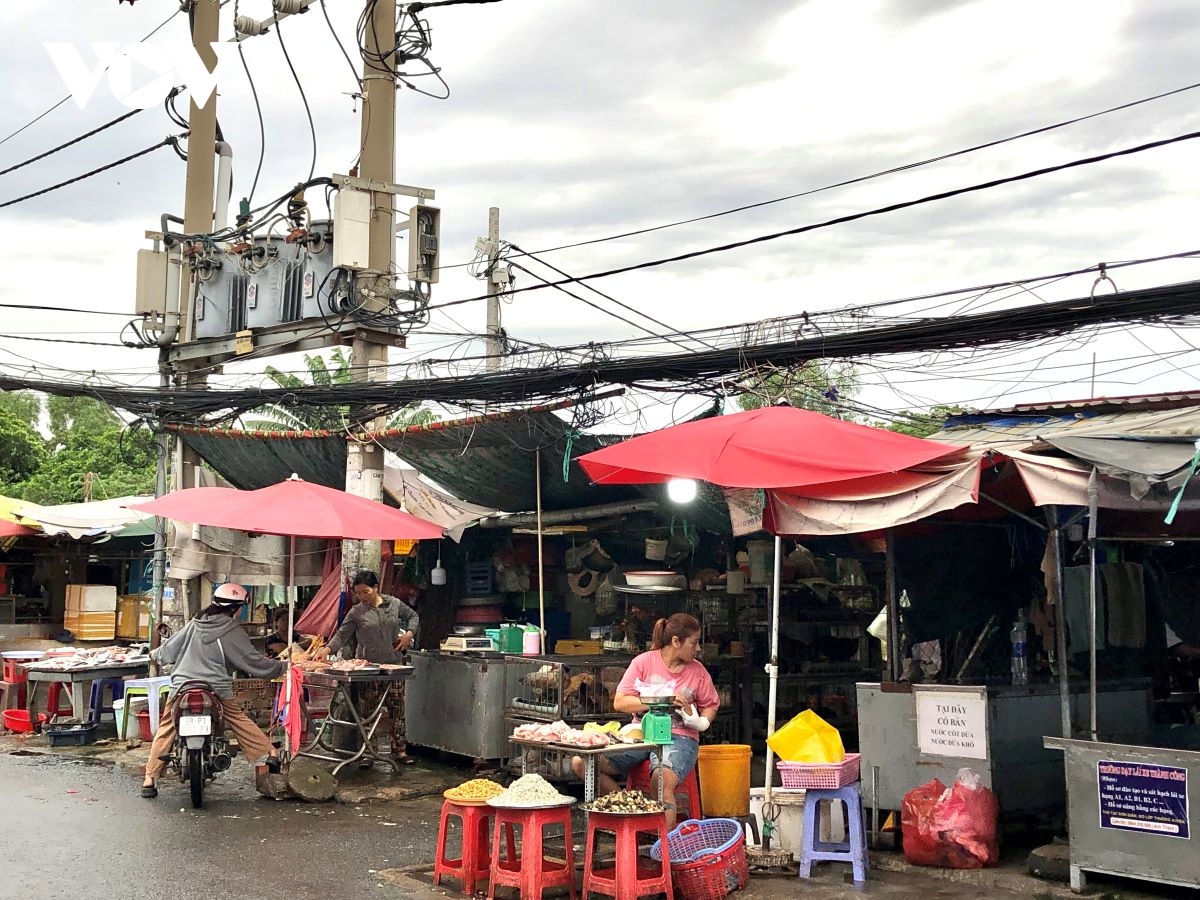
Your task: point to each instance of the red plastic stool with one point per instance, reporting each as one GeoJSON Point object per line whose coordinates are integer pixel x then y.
{"type": "Point", "coordinates": [54, 701]}
{"type": "Point", "coordinates": [531, 873]}
{"type": "Point", "coordinates": [474, 860]}
{"type": "Point", "coordinates": [689, 788]}
{"type": "Point", "coordinates": [631, 876]}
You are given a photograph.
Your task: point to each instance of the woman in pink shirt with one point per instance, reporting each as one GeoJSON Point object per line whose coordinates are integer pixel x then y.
{"type": "Point", "coordinates": [671, 668]}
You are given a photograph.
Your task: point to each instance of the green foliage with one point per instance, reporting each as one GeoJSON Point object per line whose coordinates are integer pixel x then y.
{"type": "Point", "coordinates": [276, 417]}
{"type": "Point", "coordinates": [26, 406]}
{"type": "Point", "coordinates": [22, 450]}
{"type": "Point", "coordinates": [89, 455]}
{"type": "Point", "coordinates": [923, 424]}
{"type": "Point", "coordinates": [78, 415]}
{"type": "Point", "coordinates": [810, 385]}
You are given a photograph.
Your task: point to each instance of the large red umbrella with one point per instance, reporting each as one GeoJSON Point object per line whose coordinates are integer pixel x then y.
{"type": "Point", "coordinates": [772, 447]}
{"type": "Point", "coordinates": [292, 508]}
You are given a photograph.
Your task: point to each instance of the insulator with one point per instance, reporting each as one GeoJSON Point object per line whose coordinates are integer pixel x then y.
{"type": "Point", "coordinates": [289, 7]}
{"type": "Point", "coordinates": [249, 26]}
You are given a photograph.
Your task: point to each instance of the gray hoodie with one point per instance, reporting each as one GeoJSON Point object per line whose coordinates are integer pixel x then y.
{"type": "Point", "coordinates": [206, 648]}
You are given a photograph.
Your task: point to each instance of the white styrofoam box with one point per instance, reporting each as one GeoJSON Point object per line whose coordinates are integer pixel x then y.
{"type": "Point", "coordinates": [789, 827]}
{"type": "Point", "coordinates": [91, 598]}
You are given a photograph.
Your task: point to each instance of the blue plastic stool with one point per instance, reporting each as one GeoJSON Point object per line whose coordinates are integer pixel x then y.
{"type": "Point", "coordinates": [96, 707]}
{"type": "Point", "coordinates": [853, 851]}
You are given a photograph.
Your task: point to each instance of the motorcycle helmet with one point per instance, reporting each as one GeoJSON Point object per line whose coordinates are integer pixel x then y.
{"type": "Point", "coordinates": [229, 594]}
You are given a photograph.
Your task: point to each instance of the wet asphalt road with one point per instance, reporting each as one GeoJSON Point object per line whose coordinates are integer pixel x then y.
{"type": "Point", "coordinates": [79, 829]}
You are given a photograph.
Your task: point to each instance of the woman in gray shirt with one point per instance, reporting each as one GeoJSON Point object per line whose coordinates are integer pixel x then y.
{"type": "Point", "coordinates": [380, 629]}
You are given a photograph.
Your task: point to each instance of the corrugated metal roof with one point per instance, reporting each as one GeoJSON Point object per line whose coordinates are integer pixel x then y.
{"type": "Point", "coordinates": [1097, 404]}
{"type": "Point", "coordinates": [1022, 429]}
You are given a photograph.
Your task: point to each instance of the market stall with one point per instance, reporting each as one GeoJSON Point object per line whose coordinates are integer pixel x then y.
{"type": "Point", "coordinates": [363, 715]}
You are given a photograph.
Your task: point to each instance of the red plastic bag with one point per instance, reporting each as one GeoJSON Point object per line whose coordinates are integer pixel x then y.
{"type": "Point", "coordinates": [954, 828]}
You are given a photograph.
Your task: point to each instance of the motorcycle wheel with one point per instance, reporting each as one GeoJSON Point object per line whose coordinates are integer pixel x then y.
{"type": "Point", "coordinates": [196, 775]}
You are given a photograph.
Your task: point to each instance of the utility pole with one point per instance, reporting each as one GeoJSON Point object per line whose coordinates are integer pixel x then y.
{"type": "Point", "coordinates": [494, 287]}
{"type": "Point", "coordinates": [198, 219]}
{"type": "Point", "coordinates": [364, 462]}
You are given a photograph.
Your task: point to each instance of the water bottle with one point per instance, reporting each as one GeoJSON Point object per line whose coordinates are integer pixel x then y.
{"type": "Point", "coordinates": [1020, 661]}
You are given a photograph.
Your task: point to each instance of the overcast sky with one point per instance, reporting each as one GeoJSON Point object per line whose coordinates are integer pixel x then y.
{"type": "Point", "coordinates": [582, 119]}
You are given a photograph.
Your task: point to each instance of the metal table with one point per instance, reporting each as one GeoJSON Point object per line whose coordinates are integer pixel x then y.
{"type": "Point", "coordinates": [80, 682]}
{"type": "Point", "coordinates": [589, 756]}
{"type": "Point", "coordinates": [364, 722]}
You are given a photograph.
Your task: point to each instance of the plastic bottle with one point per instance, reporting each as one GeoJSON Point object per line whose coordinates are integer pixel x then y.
{"type": "Point", "coordinates": [1020, 661]}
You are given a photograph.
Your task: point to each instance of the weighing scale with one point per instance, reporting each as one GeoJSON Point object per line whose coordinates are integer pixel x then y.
{"type": "Point", "coordinates": [461, 644]}
{"type": "Point", "coordinates": [656, 724]}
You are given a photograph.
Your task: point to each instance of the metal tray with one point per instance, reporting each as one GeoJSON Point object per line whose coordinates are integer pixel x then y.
{"type": "Point", "coordinates": [587, 807]}
{"type": "Point", "coordinates": [566, 801]}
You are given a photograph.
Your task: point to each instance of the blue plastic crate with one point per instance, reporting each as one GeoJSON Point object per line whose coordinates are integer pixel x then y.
{"type": "Point", "coordinates": [70, 735]}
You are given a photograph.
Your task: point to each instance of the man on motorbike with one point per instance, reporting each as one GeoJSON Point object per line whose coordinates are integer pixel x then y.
{"type": "Point", "coordinates": [205, 650]}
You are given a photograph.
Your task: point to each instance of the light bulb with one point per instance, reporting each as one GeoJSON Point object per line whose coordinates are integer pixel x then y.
{"type": "Point", "coordinates": [681, 490]}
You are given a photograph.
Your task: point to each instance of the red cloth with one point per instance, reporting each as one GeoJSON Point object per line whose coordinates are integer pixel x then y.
{"type": "Point", "coordinates": [293, 721]}
{"type": "Point", "coordinates": [773, 447]}
{"type": "Point", "coordinates": [320, 616]}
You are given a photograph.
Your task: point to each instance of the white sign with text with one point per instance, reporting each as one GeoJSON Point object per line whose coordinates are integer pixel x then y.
{"type": "Point", "coordinates": [951, 723]}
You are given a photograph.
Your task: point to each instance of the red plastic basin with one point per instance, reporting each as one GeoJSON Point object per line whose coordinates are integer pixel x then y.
{"type": "Point", "coordinates": [18, 720]}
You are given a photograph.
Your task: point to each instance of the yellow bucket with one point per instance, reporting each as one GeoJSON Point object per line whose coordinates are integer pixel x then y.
{"type": "Point", "coordinates": [725, 779]}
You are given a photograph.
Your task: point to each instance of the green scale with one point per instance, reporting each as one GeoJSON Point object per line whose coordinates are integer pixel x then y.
{"type": "Point", "coordinates": [656, 724]}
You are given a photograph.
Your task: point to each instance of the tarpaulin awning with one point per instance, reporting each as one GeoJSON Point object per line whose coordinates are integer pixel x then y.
{"type": "Point", "coordinates": [79, 520]}
{"type": "Point", "coordinates": [870, 504]}
{"type": "Point", "coordinates": [414, 495]}
{"type": "Point", "coordinates": [1064, 482]}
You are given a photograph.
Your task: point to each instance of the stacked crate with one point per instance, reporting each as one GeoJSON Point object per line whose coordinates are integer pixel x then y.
{"type": "Point", "coordinates": [91, 613]}
{"type": "Point", "coordinates": [255, 697]}
{"type": "Point", "coordinates": [133, 617]}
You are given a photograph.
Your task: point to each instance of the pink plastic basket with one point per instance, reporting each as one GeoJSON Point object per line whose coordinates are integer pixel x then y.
{"type": "Point", "coordinates": [820, 775]}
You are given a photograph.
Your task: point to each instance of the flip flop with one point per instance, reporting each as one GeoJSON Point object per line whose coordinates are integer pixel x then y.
{"type": "Point", "coordinates": [407, 761]}
{"type": "Point", "coordinates": [149, 791]}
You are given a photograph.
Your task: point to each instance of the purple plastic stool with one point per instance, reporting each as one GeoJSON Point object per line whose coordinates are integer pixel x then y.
{"type": "Point", "coordinates": [853, 851]}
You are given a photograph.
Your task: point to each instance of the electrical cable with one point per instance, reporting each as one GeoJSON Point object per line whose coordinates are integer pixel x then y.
{"type": "Point", "coordinates": [303, 98]}
{"type": "Point", "coordinates": [262, 129]}
{"type": "Point", "coordinates": [168, 141]}
{"type": "Point", "coordinates": [70, 309]}
{"type": "Point", "coordinates": [55, 106]}
{"type": "Point", "coordinates": [72, 143]}
{"type": "Point", "coordinates": [851, 217]}
{"type": "Point", "coordinates": [341, 46]}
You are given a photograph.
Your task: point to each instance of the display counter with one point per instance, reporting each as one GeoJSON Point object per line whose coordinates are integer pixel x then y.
{"type": "Point", "coordinates": [910, 734]}
{"type": "Point", "coordinates": [455, 702]}
{"type": "Point", "coordinates": [1130, 812]}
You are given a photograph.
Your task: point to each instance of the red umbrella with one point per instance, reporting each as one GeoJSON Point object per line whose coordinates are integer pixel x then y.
{"type": "Point", "coordinates": [772, 447]}
{"type": "Point", "coordinates": [292, 508]}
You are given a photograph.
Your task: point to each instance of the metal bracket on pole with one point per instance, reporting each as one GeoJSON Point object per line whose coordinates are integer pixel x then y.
{"type": "Point", "coordinates": [772, 670]}
{"type": "Point", "coordinates": [384, 187]}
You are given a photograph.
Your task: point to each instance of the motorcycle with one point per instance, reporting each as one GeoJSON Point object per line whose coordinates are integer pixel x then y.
{"type": "Point", "coordinates": [201, 750]}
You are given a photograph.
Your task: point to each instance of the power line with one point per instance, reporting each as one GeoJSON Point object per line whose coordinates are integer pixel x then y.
{"type": "Point", "coordinates": [864, 178]}
{"type": "Point", "coordinates": [303, 98]}
{"type": "Point", "coordinates": [165, 142]}
{"type": "Point", "coordinates": [70, 309]}
{"type": "Point", "coordinates": [262, 129]}
{"type": "Point", "coordinates": [71, 143]}
{"type": "Point", "coordinates": [55, 106]}
{"type": "Point", "coordinates": [841, 220]}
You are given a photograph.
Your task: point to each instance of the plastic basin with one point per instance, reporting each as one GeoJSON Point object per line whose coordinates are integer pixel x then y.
{"type": "Point", "coordinates": [18, 720]}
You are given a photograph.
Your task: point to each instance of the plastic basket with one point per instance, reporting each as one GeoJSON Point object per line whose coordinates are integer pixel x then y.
{"type": "Point", "coordinates": [708, 858]}
{"type": "Point", "coordinates": [818, 776]}
{"type": "Point", "coordinates": [70, 735]}
{"type": "Point", "coordinates": [14, 661]}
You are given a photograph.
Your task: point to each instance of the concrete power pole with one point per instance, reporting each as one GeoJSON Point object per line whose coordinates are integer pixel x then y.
{"type": "Point", "coordinates": [494, 287]}
{"type": "Point", "coordinates": [198, 219]}
{"type": "Point", "coordinates": [364, 462]}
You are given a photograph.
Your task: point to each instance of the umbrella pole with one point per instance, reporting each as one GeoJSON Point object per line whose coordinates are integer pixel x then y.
{"type": "Point", "coordinates": [291, 595]}
{"type": "Point", "coordinates": [537, 456]}
{"type": "Point", "coordinates": [772, 685]}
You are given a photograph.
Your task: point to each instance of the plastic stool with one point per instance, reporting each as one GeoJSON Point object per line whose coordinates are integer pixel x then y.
{"type": "Point", "coordinates": [54, 705]}
{"type": "Point", "coordinates": [629, 878]}
{"type": "Point", "coordinates": [12, 695]}
{"type": "Point", "coordinates": [531, 873]}
{"type": "Point", "coordinates": [152, 689]}
{"type": "Point", "coordinates": [853, 851]}
{"type": "Point", "coordinates": [474, 861]}
{"type": "Point", "coordinates": [688, 788]}
{"type": "Point", "coordinates": [96, 707]}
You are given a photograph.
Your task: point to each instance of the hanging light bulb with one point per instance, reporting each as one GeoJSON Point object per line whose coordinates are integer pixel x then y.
{"type": "Point", "coordinates": [681, 490]}
{"type": "Point", "coordinates": [438, 575]}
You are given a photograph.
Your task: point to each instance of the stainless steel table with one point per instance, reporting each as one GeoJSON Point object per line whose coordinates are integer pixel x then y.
{"type": "Point", "coordinates": [80, 682]}
{"type": "Point", "coordinates": [589, 756]}
{"type": "Point", "coordinates": [364, 722]}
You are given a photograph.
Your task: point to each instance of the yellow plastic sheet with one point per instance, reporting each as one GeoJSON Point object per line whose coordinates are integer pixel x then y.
{"type": "Point", "coordinates": [808, 739]}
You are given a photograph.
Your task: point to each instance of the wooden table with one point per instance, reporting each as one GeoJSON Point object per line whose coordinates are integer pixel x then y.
{"type": "Point", "coordinates": [589, 755]}
{"type": "Point", "coordinates": [364, 722]}
{"type": "Point", "coordinates": [80, 682]}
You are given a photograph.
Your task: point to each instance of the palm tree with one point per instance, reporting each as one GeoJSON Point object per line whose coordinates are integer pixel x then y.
{"type": "Point", "coordinates": [276, 417]}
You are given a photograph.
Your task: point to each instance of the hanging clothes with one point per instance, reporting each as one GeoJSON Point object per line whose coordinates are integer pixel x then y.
{"type": "Point", "coordinates": [1076, 589]}
{"type": "Point", "coordinates": [1126, 593]}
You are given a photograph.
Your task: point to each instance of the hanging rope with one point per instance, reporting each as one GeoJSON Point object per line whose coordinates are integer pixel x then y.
{"type": "Point", "coordinates": [571, 434]}
{"type": "Point", "coordinates": [1183, 487]}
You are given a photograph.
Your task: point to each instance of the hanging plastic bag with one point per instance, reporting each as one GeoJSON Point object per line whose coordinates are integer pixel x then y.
{"type": "Point", "coordinates": [808, 739]}
{"type": "Point", "coordinates": [951, 828]}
